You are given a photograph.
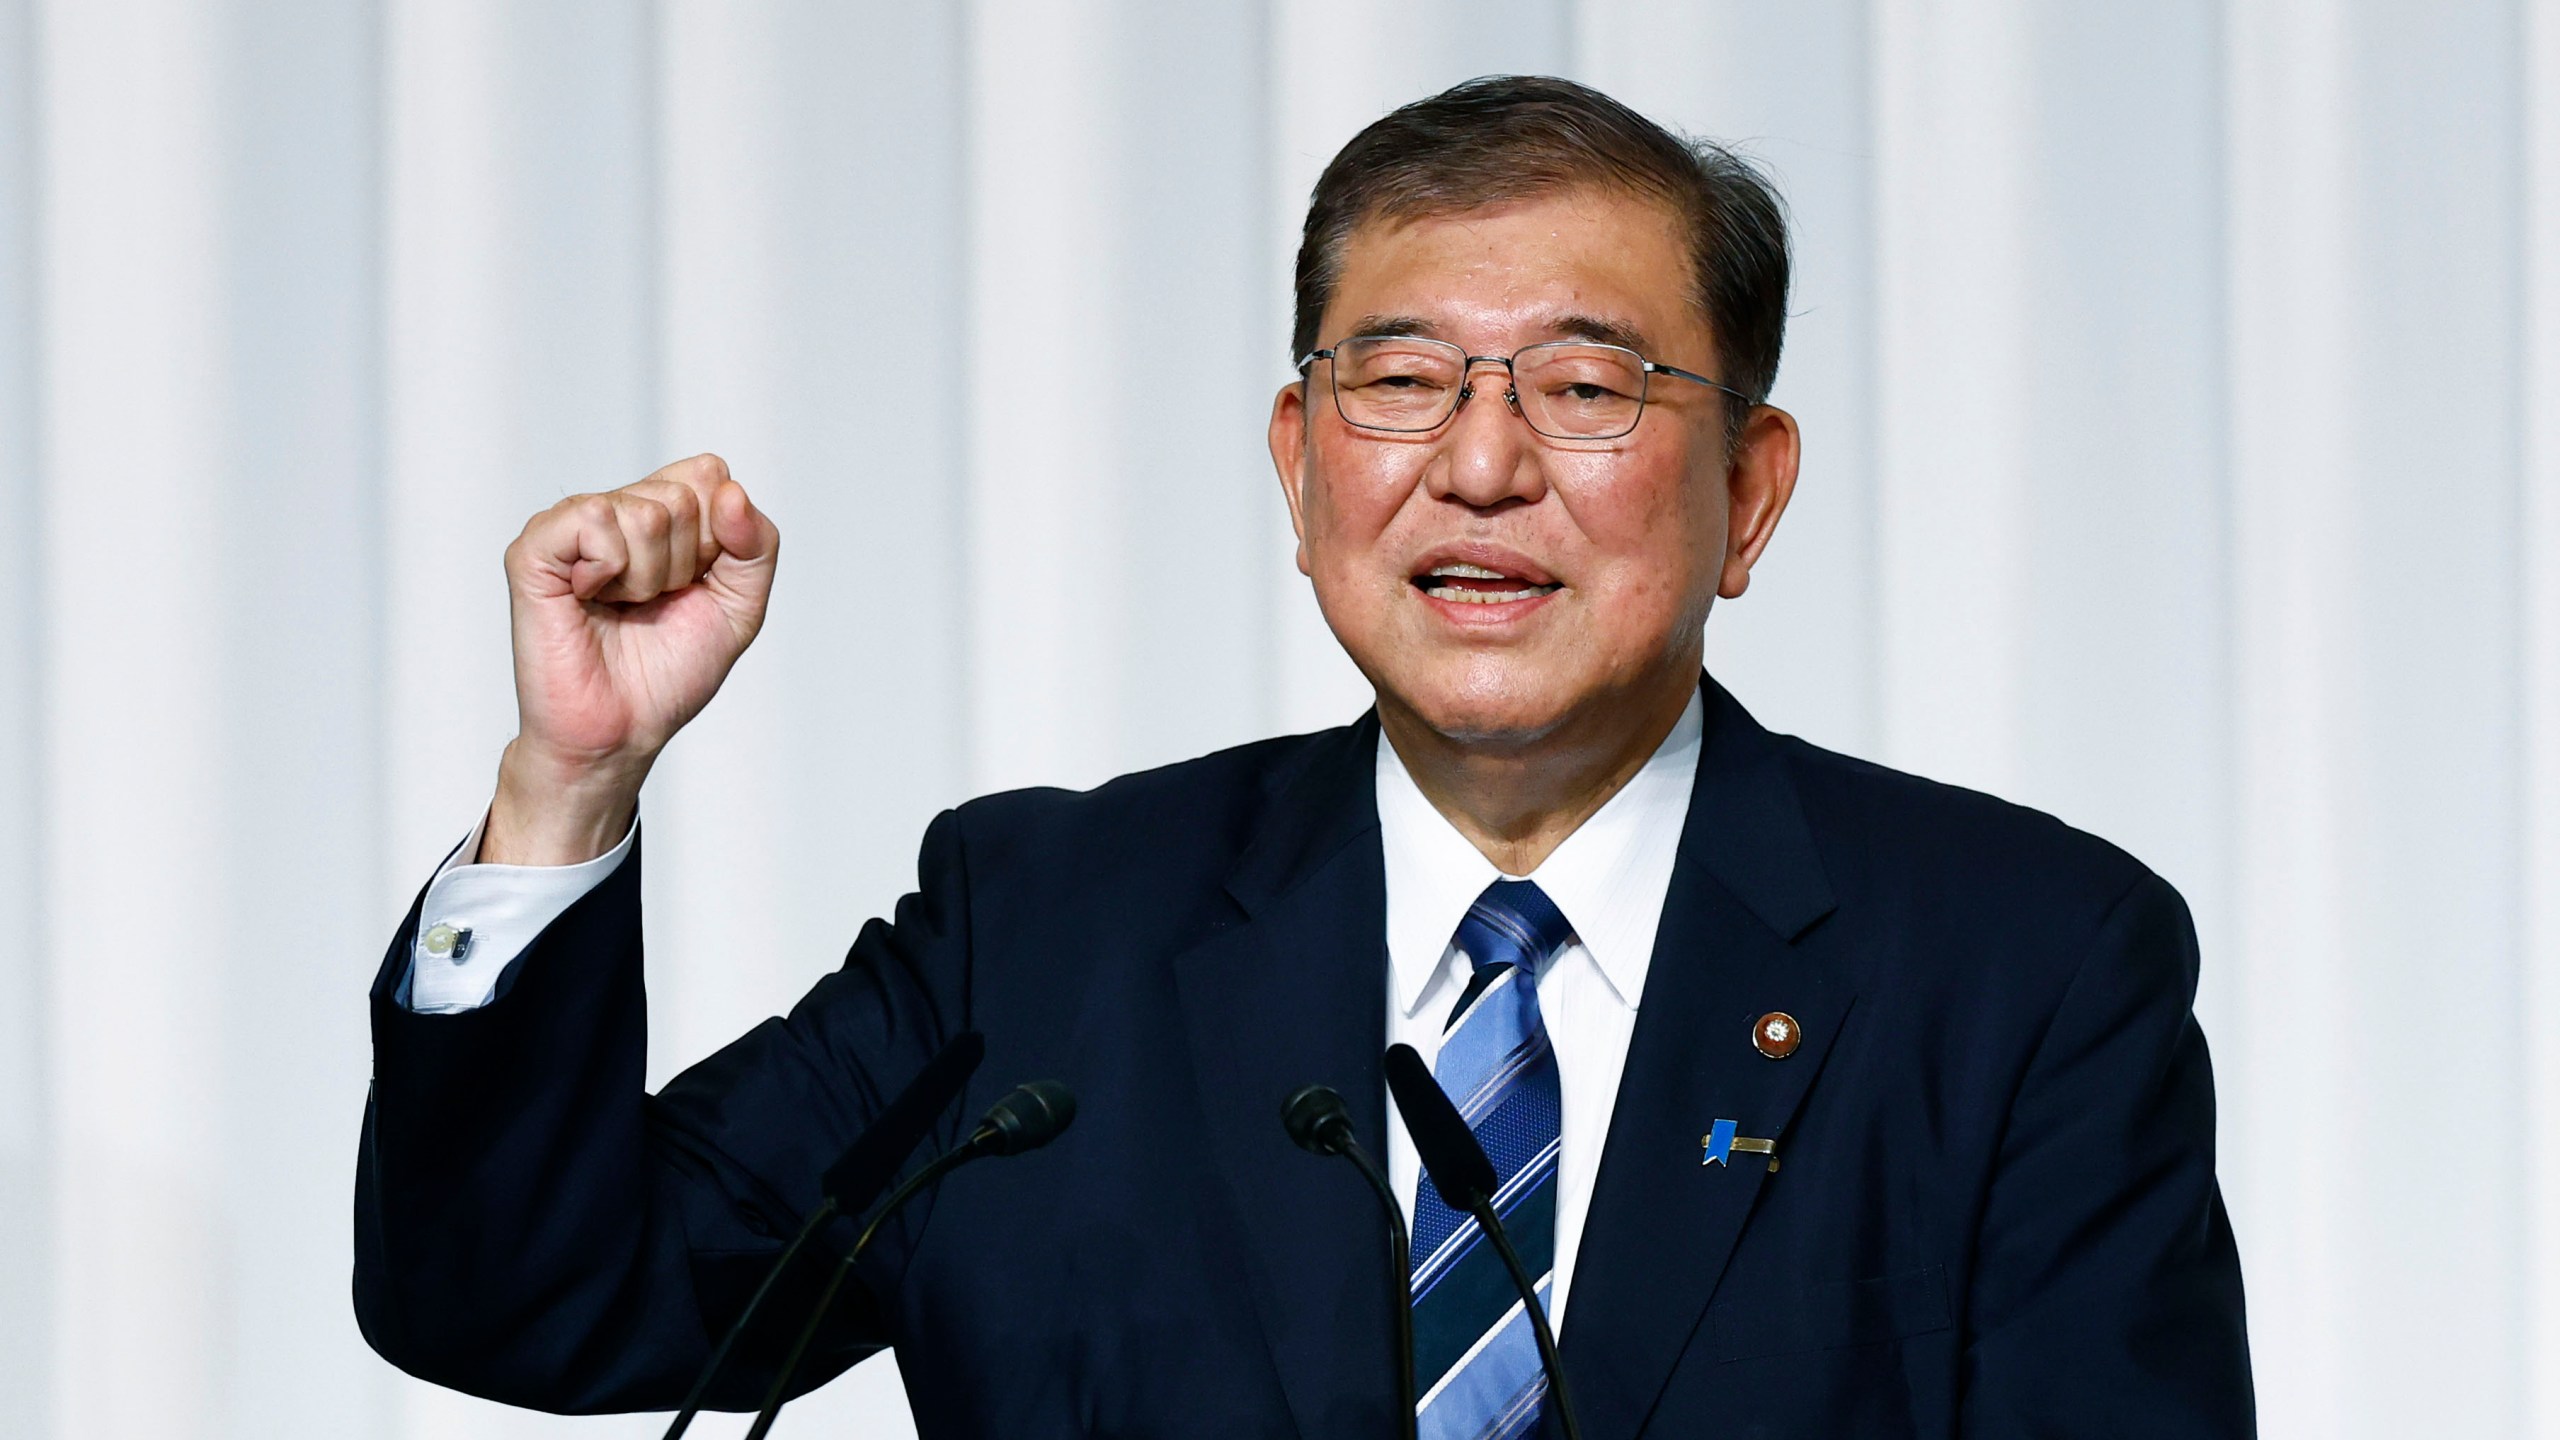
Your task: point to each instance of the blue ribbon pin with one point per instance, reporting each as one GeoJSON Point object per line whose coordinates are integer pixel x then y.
{"type": "Point", "coordinates": [1722, 1145]}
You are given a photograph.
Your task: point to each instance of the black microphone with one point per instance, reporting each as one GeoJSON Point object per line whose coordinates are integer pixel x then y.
{"type": "Point", "coordinates": [854, 1181]}
{"type": "Point", "coordinates": [1028, 1117]}
{"type": "Point", "coordinates": [1316, 1118]}
{"type": "Point", "coordinates": [1031, 1116]}
{"type": "Point", "coordinates": [1465, 1178]}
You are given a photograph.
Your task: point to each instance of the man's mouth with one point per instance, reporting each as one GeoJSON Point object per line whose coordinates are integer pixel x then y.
{"type": "Point", "coordinates": [1476, 585]}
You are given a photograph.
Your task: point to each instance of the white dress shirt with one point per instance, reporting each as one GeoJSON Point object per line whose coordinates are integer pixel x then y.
{"type": "Point", "coordinates": [495, 911]}
{"type": "Point", "coordinates": [1610, 878]}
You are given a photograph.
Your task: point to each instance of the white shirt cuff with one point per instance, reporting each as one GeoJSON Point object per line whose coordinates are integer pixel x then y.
{"type": "Point", "coordinates": [476, 919]}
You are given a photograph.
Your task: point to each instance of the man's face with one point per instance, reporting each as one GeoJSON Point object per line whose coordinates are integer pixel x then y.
{"type": "Point", "coordinates": [1496, 584]}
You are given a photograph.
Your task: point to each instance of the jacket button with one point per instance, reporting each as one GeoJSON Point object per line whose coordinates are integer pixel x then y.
{"type": "Point", "coordinates": [1777, 1035]}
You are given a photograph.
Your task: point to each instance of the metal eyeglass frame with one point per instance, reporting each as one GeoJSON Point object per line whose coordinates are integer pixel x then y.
{"type": "Point", "coordinates": [1511, 393]}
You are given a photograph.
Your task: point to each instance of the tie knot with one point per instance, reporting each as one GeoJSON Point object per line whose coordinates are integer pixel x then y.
{"type": "Point", "coordinates": [1513, 923]}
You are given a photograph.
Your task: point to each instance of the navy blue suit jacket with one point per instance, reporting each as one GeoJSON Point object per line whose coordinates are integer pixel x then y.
{"type": "Point", "coordinates": [1994, 1214]}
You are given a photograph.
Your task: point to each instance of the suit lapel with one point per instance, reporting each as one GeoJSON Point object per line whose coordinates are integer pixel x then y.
{"type": "Point", "coordinates": [1294, 995]}
{"type": "Point", "coordinates": [1662, 1224]}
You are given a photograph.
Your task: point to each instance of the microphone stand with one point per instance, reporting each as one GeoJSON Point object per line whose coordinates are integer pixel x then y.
{"type": "Point", "coordinates": [825, 1211]}
{"type": "Point", "coordinates": [941, 1165]}
{"type": "Point", "coordinates": [1320, 1122]}
{"type": "Point", "coordinates": [1027, 1118]}
{"type": "Point", "coordinates": [1527, 1285]}
{"type": "Point", "coordinates": [863, 1171]}
{"type": "Point", "coordinates": [1456, 1162]}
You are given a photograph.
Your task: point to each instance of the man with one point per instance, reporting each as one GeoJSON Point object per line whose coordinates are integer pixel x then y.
{"type": "Point", "coordinates": [1827, 1101]}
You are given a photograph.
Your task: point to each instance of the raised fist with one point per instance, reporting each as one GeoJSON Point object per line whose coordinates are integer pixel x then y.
{"type": "Point", "coordinates": [629, 608]}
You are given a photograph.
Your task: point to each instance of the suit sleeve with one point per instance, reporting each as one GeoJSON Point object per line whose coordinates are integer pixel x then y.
{"type": "Point", "coordinates": [2106, 1295]}
{"type": "Point", "coordinates": [499, 909]}
{"type": "Point", "coordinates": [533, 1228]}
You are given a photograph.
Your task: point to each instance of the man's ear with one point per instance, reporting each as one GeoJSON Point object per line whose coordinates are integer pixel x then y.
{"type": "Point", "coordinates": [1289, 458]}
{"type": "Point", "coordinates": [1760, 478]}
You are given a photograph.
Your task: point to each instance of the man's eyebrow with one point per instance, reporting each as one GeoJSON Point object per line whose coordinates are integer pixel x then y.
{"type": "Point", "coordinates": [1598, 331]}
{"type": "Point", "coordinates": [1392, 325]}
{"type": "Point", "coordinates": [1563, 327]}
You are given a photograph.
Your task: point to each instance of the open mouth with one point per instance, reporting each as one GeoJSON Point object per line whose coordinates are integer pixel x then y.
{"type": "Point", "coordinates": [1476, 585]}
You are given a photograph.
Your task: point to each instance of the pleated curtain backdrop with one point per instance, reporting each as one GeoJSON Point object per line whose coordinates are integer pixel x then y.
{"type": "Point", "coordinates": [2178, 382]}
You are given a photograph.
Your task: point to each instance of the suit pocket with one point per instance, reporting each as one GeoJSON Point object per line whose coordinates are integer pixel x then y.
{"type": "Point", "coordinates": [1826, 1317]}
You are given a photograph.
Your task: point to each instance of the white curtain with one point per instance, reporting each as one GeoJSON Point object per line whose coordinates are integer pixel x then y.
{"type": "Point", "coordinates": [2178, 387]}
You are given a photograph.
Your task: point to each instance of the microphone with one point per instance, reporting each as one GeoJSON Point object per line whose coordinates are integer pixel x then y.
{"type": "Point", "coordinates": [1465, 1178]}
{"type": "Point", "coordinates": [1320, 1123]}
{"type": "Point", "coordinates": [854, 1181]}
{"type": "Point", "coordinates": [1028, 1117]}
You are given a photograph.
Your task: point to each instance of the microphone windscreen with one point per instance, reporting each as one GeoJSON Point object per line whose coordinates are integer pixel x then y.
{"type": "Point", "coordinates": [1316, 1119]}
{"type": "Point", "coordinates": [872, 1161]}
{"type": "Point", "coordinates": [1448, 1150]}
{"type": "Point", "coordinates": [1030, 1117]}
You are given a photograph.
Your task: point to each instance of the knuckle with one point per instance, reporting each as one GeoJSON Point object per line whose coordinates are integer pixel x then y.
{"type": "Point", "coordinates": [649, 517]}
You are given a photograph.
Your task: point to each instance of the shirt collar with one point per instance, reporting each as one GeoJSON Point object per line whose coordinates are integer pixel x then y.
{"type": "Point", "coordinates": [1609, 877]}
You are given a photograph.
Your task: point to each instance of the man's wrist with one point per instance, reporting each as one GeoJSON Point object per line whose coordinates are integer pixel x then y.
{"type": "Point", "coordinates": [551, 812]}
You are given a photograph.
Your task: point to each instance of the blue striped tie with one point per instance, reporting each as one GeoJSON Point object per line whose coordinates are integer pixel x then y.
{"type": "Point", "coordinates": [1475, 1360]}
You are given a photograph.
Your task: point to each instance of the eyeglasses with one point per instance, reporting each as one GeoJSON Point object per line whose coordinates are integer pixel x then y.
{"type": "Point", "coordinates": [1564, 389]}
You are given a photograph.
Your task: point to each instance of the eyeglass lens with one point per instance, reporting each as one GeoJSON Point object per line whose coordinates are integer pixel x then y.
{"type": "Point", "coordinates": [1567, 390]}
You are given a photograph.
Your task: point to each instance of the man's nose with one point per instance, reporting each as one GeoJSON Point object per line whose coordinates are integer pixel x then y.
{"type": "Point", "coordinates": [1488, 454]}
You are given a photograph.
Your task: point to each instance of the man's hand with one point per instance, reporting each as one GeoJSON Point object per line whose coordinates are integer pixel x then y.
{"type": "Point", "coordinates": [629, 609]}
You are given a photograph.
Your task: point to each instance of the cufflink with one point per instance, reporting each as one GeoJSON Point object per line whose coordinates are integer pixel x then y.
{"type": "Point", "coordinates": [448, 942]}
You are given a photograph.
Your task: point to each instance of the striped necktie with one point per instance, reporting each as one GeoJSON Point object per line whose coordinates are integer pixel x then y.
{"type": "Point", "coordinates": [1475, 1360]}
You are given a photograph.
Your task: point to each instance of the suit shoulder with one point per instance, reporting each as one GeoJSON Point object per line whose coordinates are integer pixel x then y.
{"type": "Point", "coordinates": [1877, 823]}
{"type": "Point", "coordinates": [1992, 908]}
{"type": "Point", "coordinates": [1205, 807]}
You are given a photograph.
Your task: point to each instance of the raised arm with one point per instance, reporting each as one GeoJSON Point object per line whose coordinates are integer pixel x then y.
{"type": "Point", "coordinates": [531, 1226]}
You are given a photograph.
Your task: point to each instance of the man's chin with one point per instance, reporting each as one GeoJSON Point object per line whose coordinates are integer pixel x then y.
{"type": "Point", "coordinates": [1512, 701]}
{"type": "Point", "coordinates": [1513, 715]}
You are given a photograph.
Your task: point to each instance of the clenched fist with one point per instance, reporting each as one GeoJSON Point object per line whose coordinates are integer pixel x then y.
{"type": "Point", "coordinates": [629, 609]}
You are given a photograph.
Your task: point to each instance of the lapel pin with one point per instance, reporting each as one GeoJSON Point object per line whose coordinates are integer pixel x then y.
{"type": "Point", "coordinates": [1776, 1035]}
{"type": "Point", "coordinates": [1723, 1144]}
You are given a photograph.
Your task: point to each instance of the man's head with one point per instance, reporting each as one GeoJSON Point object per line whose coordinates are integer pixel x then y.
{"type": "Point", "coordinates": [1498, 215]}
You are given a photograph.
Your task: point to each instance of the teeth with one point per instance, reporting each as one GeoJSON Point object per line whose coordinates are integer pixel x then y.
{"type": "Point", "coordinates": [1483, 597]}
{"type": "Point", "coordinates": [1521, 589]}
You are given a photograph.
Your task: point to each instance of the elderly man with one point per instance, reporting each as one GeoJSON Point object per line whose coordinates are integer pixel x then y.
{"type": "Point", "coordinates": [1827, 1101]}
